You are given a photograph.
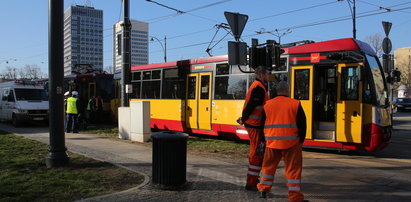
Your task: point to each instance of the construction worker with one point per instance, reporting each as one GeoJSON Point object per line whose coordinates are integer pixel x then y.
{"type": "Point", "coordinates": [66, 96]}
{"type": "Point", "coordinates": [251, 118]}
{"type": "Point", "coordinates": [72, 112]}
{"type": "Point", "coordinates": [284, 131]}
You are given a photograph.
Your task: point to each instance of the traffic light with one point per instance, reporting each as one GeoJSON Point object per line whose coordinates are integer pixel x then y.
{"type": "Point", "coordinates": [267, 55]}
{"type": "Point", "coordinates": [395, 76]}
{"type": "Point", "coordinates": [257, 55]}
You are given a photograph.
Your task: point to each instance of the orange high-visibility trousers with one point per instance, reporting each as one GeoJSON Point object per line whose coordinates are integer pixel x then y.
{"type": "Point", "coordinates": [293, 167]}
{"type": "Point", "coordinates": [255, 162]}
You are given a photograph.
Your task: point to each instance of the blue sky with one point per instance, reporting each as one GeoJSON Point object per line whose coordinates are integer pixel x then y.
{"type": "Point", "coordinates": [24, 25]}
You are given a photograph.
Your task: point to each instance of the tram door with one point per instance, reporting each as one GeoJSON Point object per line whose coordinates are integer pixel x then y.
{"type": "Point", "coordinates": [301, 89]}
{"type": "Point", "coordinates": [198, 107]}
{"type": "Point", "coordinates": [91, 89]}
{"type": "Point", "coordinates": [324, 103]}
{"type": "Point", "coordinates": [349, 103]}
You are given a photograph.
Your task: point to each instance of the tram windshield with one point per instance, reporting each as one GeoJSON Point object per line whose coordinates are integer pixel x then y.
{"type": "Point", "coordinates": [380, 87]}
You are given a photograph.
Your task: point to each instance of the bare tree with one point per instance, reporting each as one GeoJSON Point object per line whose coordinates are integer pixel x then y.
{"type": "Point", "coordinates": [26, 72]}
{"type": "Point", "coordinates": [375, 41]}
{"type": "Point", "coordinates": [405, 68]}
{"type": "Point", "coordinates": [11, 73]}
{"type": "Point", "coordinates": [31, 72]}
{"type": "Point", "coordinates": [109, 69]}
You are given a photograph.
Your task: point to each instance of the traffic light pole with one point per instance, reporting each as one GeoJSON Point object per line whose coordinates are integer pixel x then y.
{"type": "Point", "coordinates": [57, 155]}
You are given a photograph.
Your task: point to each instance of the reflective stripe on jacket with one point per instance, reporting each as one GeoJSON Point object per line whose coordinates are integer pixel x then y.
{"type": "Point", "coordinates": [280, 128]}
{"type": "Point", "coordinates": [72, 105]}
{"type": "Point", "coordinates": [255, 118]}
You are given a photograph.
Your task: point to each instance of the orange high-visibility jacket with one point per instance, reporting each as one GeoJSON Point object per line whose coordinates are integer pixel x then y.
{"type": "Point", "coordinates": [255, 118]}
{"type": "Point", "coordinates": [280, 128]}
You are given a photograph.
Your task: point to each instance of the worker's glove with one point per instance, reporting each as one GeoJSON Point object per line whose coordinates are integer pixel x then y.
{"type": "Point", "coordinates": [260, 149]}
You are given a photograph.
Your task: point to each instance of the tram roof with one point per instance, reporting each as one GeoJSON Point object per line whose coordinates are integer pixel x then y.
{"type": "Point", "coordinates": [347, 44]}
{"type": "Point", "coordinates": [201, 60]}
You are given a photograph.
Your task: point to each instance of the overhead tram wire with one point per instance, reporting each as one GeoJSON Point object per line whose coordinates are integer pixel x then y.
{"type": "Point", "coordinates": [364, 14]}
{"type": "Point", "coordinates": [343, 18]}
{"type": "Point", "coordinates": [380, 7]}
{"type": "Point", "coordinates": [293, 11]}
{"type": "Point", "coordinates": [180, 12]}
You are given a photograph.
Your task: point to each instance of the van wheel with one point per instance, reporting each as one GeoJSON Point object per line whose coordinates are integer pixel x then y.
{"type": "Point", "coordinates": [16, 123]}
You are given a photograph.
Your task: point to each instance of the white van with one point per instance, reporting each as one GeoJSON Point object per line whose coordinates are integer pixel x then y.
{"type": "Point", "coordinates": [22, 101]}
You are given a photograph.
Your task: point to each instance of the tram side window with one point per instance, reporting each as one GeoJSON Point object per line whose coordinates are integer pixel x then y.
{"type": "Point", "coordinates": [302, 84]}
{"type": "Point", "coordinates": [191, 87]}
{"type": "Point", "coordinates": [151, 90]}
{"type": "Point", "coordinates": [172, 85]}
{"type": "Point", "coordinates": [136, 76]}
{"type": "Point", "coordinates": [151, 84]}
{"type": "Point", "coordinates": [349, 83]}
{"type": "Point", "coordinates": [222, 69]}
{"type": "Point", "coordinates": [231, 87]}
{"type": "Point", "coordinates": [136, 90]}
{"type": "Point", "coordinates": [367, 95]}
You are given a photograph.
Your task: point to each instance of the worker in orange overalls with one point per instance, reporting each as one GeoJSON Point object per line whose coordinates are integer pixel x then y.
{"type": "Point", "coordinates": [284, 131]}
{"type": "Point", "coordinates": [251, 118]}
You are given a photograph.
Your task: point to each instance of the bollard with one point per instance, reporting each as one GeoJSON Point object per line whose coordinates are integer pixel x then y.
{"type": "Point", "coordinates": [169, 159]}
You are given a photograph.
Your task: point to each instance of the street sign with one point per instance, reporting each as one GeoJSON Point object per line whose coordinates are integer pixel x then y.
{"type": "Point", "coordinates": [237, 23]}
{"type": "Point", "coordinates": [237, 53]}
{"type": "Point", "coordinates": [386, 45]}
{"type": "Point", "coordinates": [387, 27]}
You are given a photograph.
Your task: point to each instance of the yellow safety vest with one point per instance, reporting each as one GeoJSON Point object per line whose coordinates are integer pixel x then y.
{"type": "Point", "coordinates": [71, 105]}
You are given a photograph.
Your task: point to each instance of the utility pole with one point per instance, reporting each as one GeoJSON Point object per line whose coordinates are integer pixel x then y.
{"type": "Point", "coordinates": [125, 73]}
{"type": "Point", "coordinates": [354, 30]}
{"type": "Point", "coordinates": [353, 15]}
{"type": "Point", "coordinates": [57, 155]}
{"type": "Point", "coordinates": [165, 48]}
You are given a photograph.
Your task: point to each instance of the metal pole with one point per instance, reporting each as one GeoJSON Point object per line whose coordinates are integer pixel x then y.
{"type": "Point", "coordinates": [125, 73]}
{"type": "Point", "coordinates": [57, 155]}
{"type": "Point", "coordinates": [354, 30]}
{"type": "Point", "coordinates": [165, 48]}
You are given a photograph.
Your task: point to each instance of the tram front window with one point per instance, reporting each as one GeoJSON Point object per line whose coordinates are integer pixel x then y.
{"type": "Point", "coordinates": [377, 75]}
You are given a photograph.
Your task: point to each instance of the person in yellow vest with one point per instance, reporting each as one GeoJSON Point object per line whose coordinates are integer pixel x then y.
{"type": "Point", "coordinates": [251, 118]}
{"type": "Point", "coordinates": [72, 112]}
{"type": "Point", "coordinates": [66, 96]}
{"type": "Point", "coordinates": [284, 131]}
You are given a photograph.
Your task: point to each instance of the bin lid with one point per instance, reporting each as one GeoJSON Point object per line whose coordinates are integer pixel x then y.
{"type": "Point", "coordinates": [169, 135]}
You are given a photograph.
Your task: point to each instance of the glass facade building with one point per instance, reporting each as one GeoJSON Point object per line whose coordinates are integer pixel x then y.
{"type": "Point", "coordinates": [139, 44]}
{"type": "Point", "coordinates": [83, 38]}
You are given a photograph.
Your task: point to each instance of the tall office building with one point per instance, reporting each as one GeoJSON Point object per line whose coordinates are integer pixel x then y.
{"type": "Point", "coordinates": [139, 44]}
{"type": "Point", "coordinates": [83, 38]}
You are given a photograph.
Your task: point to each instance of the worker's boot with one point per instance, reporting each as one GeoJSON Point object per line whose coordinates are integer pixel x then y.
{"type": "Point", "coordinates": [251, 188]}
{"type": "Point", "coordinates": [263, 194]}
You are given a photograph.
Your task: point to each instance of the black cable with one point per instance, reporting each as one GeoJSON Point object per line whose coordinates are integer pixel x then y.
{"type": "Point", "coordinates": [165, 6]}
{"type": "Point", "coordinates": [293, 11]}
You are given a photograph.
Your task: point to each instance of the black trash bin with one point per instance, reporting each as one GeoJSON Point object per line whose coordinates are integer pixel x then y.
{"type": "Point", "coordinates": [169, 159]}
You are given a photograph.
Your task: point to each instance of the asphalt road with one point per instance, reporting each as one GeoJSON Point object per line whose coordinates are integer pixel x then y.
{"type": "Point", "coordinates": [328, 175]}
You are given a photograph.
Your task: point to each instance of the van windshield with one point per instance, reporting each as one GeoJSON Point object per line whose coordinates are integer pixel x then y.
{"type": "Point", "coordinates": [30, 94]}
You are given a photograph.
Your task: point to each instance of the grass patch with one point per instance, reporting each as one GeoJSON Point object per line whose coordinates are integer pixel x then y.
{"type": "Point", "coordinates": [24, 176]}
{"type": "Point", "coordinates": [199, 144]}
{"type": "Point", "coordinates": [217, 147]}
{"type": "Point", "coordinates": [103, 130]}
